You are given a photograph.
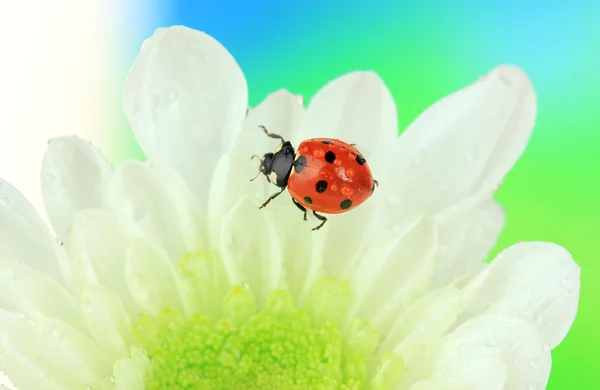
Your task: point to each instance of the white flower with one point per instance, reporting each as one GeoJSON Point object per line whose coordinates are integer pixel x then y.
{"type": "Point", "coordinates": [170, 277]}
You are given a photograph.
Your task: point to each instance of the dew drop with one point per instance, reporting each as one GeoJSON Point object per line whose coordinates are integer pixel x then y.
{"type": "Point", "coordinates": [347, 190]}
{"type": "Point", "coordinates": [303, 149]}
{"type": "Point", "coordinates": [533, 363]}
{"type": "Point", "coordinates": [418, 160]}
{"type": "Point", "coordinates": [351, 156]}
{"type": "Point", "coordinates": [333, 187]}
{"type": "Point", "coordinates": [471, 157]}
{"type": "Point", "coordinates": [393, 200]}
{"type": "Point", "coordinates": [505, 79]}
{"type": "Point", "coordinates": [349, 172]}
{"type": "Point", "coordinates": [547, 347]}
{"type": "Point", "coordinates": [337, 162]}
{"type": "Point", "coordinates": [318, 153]}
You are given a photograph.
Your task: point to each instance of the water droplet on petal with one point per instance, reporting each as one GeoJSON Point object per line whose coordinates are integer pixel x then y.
{"type": "Point", "coordinates": [418, 160]}
{"type": "Point", "coordinates": [547, 347]}
{"type": "Point", "coordinates": [471, 157]}
{"type": "Point", "coordinates": [533, 363]}
{"type": "Point", "coordinates": [505, 78]}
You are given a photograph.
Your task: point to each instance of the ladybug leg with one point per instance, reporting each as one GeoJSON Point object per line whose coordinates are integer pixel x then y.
{"type": "Point", "coordinates": [271, 134]}
{"type": "Point", "coordinates": [320, 218]}
{"type": "Point", "coordinates": [302, 208]}
{"type": "Point", "coordinates": [375, 185]}
{"type": "Point", "coordinates": [271, 198]}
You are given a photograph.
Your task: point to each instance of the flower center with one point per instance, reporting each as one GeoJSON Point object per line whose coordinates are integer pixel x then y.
{"type": "Point", "coordinates": [280, 346]}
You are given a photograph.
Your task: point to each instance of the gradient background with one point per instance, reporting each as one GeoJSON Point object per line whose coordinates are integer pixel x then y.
{"type": "Point", "coordinates": [65, 66]}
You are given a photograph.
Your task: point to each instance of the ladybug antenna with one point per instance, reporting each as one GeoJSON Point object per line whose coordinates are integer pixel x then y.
{"type": "Point", "coordinates": [258, 157]}
{"type": "Point", "coordinates": [258, 174]}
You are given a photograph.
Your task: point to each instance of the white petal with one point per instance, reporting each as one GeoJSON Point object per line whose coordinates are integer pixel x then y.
{"type": "Point", "coordinates": [464, 144]}
{"type": "Point", "coordinates": [296, 237]}
{"type": "Point", "coordinates": [281, 113]}
{"type": "Point", "coordinates": [185, 98]}
{"type": "Point", "coordinates": [71, 358]}
{"type": "Point", "coordinates": [203, 283]}
{"type": "Point", "coordinates": [466, 239]}
{"type": "Point", "coordinates": [149, 200]}
{"type": "Point", "coordinates": [230, 183]}
{"type": "Point", "coordinates": [127, 375]}
{"type": "Point", "coordinates": [251, 249]}
{"type": "Point", "coordinates": [490, 350]}
{"type": "Point", "coordinates": [99, 245]}
{"type": "Point", "coordinates": [24, 238]}
{"type": "Point", "coordinates": [25, 374]}
{"type": "Point", "coordinates": [426, 319]}
{"type": "Point", "coordinates": [356, 108]}
{"type": "Point", "coordinates": [151, 278]}
{"type": "Point", "coordinates": [107, 321]}
{"type": "Point", "coordinates": [395, 272]}
{"type": "Point", "coordinates": [75, 176]}
{"type": "Point", "coordinates": [36, 295]}
{"type": "Point", "coordinates": [536, 281]}
{"type": "Point", "coordinates": [427, 385]}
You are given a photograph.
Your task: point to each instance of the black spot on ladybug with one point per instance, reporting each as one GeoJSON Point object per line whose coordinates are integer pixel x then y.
{"type": "Point", "coordinates": [330, 157]}
{"type": "Point", "coordinates": [346, 203]}
{"type": "Point", "coordinates": [326, 141]}
{"type": "Point", "coordinates": [360, 159]}
{"type": "Point", "coordinates": [299, 164]}
{"type": "Point", "coordinates": [321, 186]}
{"type": "Point", "coordinates": [307, 199]}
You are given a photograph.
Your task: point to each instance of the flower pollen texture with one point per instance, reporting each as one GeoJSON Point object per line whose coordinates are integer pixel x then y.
{"type": "Point", "coordinates": [278, 347]}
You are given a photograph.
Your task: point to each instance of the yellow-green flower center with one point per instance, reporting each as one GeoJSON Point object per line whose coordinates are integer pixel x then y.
{"type": "Point", "coordinates": [280, 346]}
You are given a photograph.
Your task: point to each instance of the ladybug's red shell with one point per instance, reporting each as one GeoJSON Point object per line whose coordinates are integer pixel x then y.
{"type": "Point", "coordinates": [330, 176]}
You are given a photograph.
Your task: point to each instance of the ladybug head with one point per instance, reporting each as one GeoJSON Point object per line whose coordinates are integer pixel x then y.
{"type": "Point", "coordinates": [277, 166]}
{"type": "Point", "coordinates": [265, 166]}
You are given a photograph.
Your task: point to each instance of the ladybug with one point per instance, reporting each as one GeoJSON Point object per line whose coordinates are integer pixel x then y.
{"type": "Point", "coordinates": [324, 175]}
